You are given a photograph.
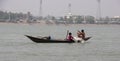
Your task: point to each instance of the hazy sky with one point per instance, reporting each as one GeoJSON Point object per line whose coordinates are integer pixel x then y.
{"type": "Point", "coordinates": [60, 7]}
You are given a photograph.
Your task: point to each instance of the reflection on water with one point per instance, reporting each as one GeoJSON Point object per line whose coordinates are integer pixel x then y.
{"type": "Point", "coordinates": [103, 46]}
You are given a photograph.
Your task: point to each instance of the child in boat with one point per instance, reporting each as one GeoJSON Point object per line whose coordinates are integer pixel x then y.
{"type": "Point", "coordinates": [70, 37]}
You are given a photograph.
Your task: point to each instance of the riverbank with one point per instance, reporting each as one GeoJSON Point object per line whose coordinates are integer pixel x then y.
{"type": "Point", "coordinates": [54, 24]}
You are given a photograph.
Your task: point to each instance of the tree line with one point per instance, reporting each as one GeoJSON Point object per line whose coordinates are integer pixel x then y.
{"type": "Point", "coordinates": [4, 16]}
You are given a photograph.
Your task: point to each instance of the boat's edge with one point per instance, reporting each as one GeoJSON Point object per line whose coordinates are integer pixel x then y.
{"type": "Point", "coordinates": [35, 39]}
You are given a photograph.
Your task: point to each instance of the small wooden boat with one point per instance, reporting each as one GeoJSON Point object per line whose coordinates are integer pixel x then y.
{"type": "Point", "coordinates": [41, 40]}
{"type": "Point", "coordinates": [47, 40]}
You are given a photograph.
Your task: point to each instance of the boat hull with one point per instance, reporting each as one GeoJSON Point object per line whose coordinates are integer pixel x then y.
{"type": "Point", "coordinates": [40, 40]}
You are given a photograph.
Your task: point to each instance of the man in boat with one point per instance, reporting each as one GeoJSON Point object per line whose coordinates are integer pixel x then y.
{"type": "Point", "coordinates": [81, 34]}
{"type": "Point", "coordinates": [47, 37]}
{"type": "Point", "coordinates": [70, 37]}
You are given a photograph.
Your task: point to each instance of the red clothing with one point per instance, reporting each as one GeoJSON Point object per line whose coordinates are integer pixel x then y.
{"type": "Point", "coordinates": [70, 38]}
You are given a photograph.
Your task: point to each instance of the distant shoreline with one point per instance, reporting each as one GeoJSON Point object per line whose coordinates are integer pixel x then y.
{"type": "Point", "coordinates": [53, 24]}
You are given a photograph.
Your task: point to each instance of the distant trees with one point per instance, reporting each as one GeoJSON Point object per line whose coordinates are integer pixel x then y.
{"type": "Point", "coordinates": [11, 17]}
{"type": "Point", "coordinates": [3, 15]}
{"type": "Point", "coordinates": [90, 19]}
{"type": "Point", "coordinates": [77, 19]}
{"type": "Point", "coordinates": [71, 19]}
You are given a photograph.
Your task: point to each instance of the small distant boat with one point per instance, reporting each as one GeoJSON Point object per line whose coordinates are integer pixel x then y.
{"type": "Point", "coordinates": [42, 40]}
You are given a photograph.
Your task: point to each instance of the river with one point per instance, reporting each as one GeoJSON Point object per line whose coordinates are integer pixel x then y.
{"type": "Point", "coordinates": [103, 46]}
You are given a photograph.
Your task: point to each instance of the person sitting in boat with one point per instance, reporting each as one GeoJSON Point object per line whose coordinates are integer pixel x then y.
{"type": "Point", "coordinates": [70, 37]}
{"type": "Point", "coordinates": [47, 37]}
{"type": "Point", "coordinates": [81, 34]}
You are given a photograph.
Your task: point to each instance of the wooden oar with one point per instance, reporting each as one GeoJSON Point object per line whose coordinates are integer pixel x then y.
{"type": "Point", "coordinates": [67, 33]}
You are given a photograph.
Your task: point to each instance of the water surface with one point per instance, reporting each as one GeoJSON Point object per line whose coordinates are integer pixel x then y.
{"type": "Point", "coordinates": [103, 46]}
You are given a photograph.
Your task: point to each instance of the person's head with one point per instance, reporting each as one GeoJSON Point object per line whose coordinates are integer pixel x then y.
{"type": "Point", "coordinates": [70, 33]}
{"type": "Point", "coordinates": [82, 30]}
{"type": "Point", "coordinates": [49, 37]}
